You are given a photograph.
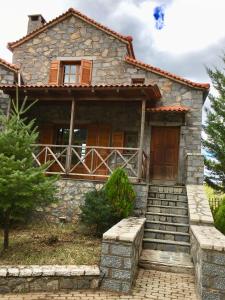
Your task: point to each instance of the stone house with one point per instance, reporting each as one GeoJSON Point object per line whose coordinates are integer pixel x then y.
{"type": "Point", "coordinates": [100, 108]}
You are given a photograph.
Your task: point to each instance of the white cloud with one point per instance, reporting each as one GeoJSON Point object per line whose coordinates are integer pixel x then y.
{"type": "Point", "coordinates": [191, 25]}
{"type": "Point", "coordinates": [13, 18]}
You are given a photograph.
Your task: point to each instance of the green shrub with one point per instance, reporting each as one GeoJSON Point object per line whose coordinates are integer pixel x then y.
{"type": "Point", "coordinates": [104, 208]}
{"type": "Point", "coordinates": [98, 212]}
{"type": "Point", "coordinates": [120, 193]}
{"type": "Point", "coordinates": [219, 217]}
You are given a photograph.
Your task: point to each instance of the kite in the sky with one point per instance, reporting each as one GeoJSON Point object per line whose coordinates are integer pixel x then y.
{"type": "Point", "coordinates": [159, 17]}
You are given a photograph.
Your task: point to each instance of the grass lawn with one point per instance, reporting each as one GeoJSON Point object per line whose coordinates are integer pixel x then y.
{"type": "Point", "coordinates": [51, 244]}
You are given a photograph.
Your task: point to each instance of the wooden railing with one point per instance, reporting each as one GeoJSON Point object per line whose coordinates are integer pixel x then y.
{"type": "Point", "coordinates": [90, 161]}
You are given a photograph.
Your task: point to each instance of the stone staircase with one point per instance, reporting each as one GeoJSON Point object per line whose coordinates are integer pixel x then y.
{"type": "Point", "coordinates": [167, 221]}
{"type": "Point", "coordinates": [166, 234]}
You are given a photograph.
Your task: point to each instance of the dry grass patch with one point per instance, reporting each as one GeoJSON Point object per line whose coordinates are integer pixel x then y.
{"type": "Point", "coordinates": [51, 244]}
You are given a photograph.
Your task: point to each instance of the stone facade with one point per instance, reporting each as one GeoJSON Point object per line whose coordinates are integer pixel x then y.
{"type": "Point", "coordinates": [14, 279]}
{"type": "Point", "coordinates": [121, 249]}
{"type": "Point", "coordinates": [76, 39]}
{"type": "Point", "coordinates": [71, 194]}
{"type": "Point", "coordinates": [6, 77]}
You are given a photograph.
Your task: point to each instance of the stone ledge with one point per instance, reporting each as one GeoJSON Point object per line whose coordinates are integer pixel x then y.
{"type": "Point", "coordinates": [48, 270]}
{"type": "Point", "coordinates": [198, 204]}
{"type": "Point", "coordinates": [208, 237]}
{"type": "Point", "coordinates": [126, 230]}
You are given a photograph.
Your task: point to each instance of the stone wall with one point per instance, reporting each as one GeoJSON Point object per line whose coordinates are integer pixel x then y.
{"type": "Point", "coordinates": [6, 77]}
{"type": "Point", "coordinates": [198, 205]}
{"type": "Point", "coordinates": [207, 246]}
{"type": "Point", "coordinates": [208, 253]}
{"type": "Point", "coordinates": [194, 168]}
{"type": "Point", "coordinates": [121, 248]}
{"type": "Point", "coordinates": [71, 195]}
{"type": "Point", "coordinates": [140, 205]}
{"type": "Point", "coordinates": [26, 279]}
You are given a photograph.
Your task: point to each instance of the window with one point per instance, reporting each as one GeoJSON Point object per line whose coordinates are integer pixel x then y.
{"type": "Point", "coordinates": [71, 73]}
{"type": "Point", "coordinates": [62, 136]}
{"type": "Point", "coordinates": [79, 139]}
{"type": "Point", "coordinates": [131, 140]}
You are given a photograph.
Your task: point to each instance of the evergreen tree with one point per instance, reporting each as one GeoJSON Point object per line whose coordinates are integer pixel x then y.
{"type": "Point", "coordinates": [215, 131]}
{"type": "Point", "coordinates": [23, 186]}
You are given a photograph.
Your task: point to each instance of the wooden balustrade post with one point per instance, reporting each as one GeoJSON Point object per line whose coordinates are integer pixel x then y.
{"type": "Point", "coordinates": [69, 148]}
{"type": "Point", "coordinates": [141, 143]}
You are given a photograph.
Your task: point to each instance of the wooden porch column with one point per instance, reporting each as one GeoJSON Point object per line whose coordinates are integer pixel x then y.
{"type": "Point", "coordinates": [141, 144]}
{"type": "Point", "coordinates": [69, 149]}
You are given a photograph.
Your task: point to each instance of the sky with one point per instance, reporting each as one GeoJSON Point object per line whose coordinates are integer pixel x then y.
{"type": "Point", "coordinates": [193, 35]}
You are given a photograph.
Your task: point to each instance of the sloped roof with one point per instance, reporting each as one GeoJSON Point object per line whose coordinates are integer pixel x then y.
{"type": "Point", "coordinates": [76, 13]}
{"type": "Point", "coordinates": [131, 92]}
{"type": "Point", "coordinates": [142, 65]}
{"type": "Point", "coordinates": [8, 65]}
{"type": "Point", "coordinates": [177, 108]}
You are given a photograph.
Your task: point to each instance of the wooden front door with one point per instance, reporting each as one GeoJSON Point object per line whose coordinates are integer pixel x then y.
{"type": "Point", "coordinates": [164, 153]}
{"type": "Point", "coordinates": [98, 135]}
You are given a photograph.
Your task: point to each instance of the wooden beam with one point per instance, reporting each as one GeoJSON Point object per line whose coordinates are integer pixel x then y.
{"type": "Point", "coordinates": [69, 150]}
{"type": "Point", "coordinates": [141, 144]}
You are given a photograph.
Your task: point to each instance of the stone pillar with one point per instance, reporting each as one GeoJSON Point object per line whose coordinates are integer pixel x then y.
{"type": "Point", "coordinates": [121, 248]}
{"type": "Point", "coordinates": [194, 168]}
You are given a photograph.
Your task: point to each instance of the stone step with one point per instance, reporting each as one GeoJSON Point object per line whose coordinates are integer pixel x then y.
{"type": "Point", "coordinates": [168, 189]}
{"type": "Point", "coordinates": [171, 196]}
{"type": "Point", "coordinates": [166, 245]}
{"type": "Point", "coordinates": [168, 209]}
{"type": "Point", "coordinates": [167, 226]}
{"type": "Point", "coordinates": [163, 217]}
{"type": "Point", "coordinates": [165, 202]}
{"type": "Point", "coordinates": [167, 235]}
{"type": "Point", "coordinates": [166, 261]}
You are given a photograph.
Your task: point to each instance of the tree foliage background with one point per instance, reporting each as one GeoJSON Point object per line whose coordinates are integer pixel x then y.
{"type": "Point", "coordinates": [214, 143]}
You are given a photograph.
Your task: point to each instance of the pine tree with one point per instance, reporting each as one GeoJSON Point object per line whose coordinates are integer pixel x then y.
{"type": "Point", "coordinates": [23, 186]}
{"type": "Point", "coordinates": [214, 142]}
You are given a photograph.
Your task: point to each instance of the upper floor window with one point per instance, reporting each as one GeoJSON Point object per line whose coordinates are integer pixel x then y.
{"type": "Point", "coordinates": [70, 72]}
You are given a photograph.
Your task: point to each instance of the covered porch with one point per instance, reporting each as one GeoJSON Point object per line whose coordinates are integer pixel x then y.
{"type": "Point", "coordinates": [88, 131]}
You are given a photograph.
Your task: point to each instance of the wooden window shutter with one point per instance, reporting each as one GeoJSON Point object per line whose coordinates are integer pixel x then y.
{"type": "Point", "coordinates": [54, 72]}
{"type": "Point", "coordinates": [86, 72]}
{"type": "Point", "coordinates": [118, 139]}
{"type": "Point", "coordinates": [46, 134]}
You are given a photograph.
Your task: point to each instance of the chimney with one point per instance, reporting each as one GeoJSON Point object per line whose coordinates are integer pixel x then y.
{"type": "Point", "coordinates": [35, 21]}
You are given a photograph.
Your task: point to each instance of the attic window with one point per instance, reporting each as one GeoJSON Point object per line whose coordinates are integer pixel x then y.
{"type": "Point", "coordinates": [70, 72]}
{"type": "Point", "coordinates": [138, 80]}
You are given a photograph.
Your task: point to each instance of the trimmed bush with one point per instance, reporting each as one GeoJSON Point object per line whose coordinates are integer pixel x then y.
{"type": "Point", "coordinates": [120, 193]}
{"type": "Point", "coordinates": [98, 212]}
{"type": "Point", "coordinates": [104, 208]}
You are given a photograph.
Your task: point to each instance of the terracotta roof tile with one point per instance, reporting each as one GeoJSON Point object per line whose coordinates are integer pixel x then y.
{"type": "Point", "coordinates": [176, 108]}
{"type": "Point", "coordinates": [140, 64]}
{"type": "Point", "coordinates": [79, 86]}
{"type": "Point", "coordinates": [72, 11]}
{"type": "Point", "coordinates": [9, 65]}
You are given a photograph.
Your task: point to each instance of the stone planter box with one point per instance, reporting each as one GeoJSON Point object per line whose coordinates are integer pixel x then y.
{"type": "Point", "coordinates": [14, 279]}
